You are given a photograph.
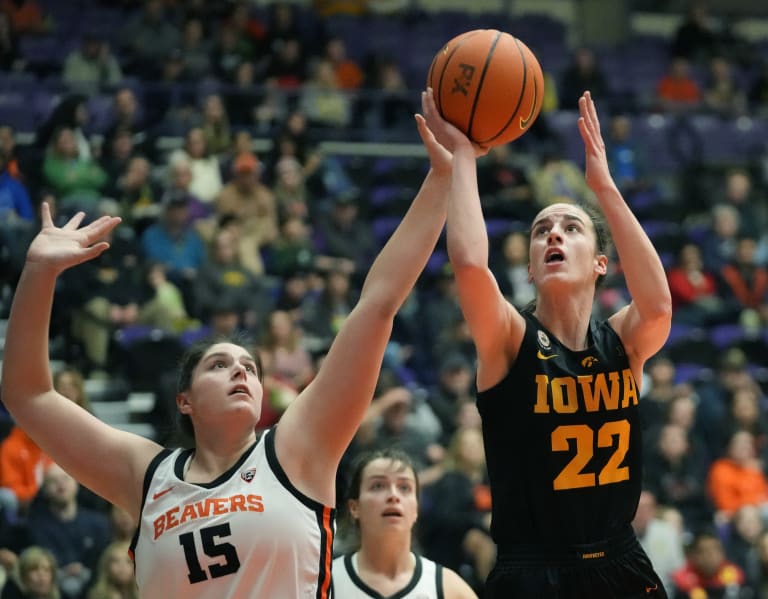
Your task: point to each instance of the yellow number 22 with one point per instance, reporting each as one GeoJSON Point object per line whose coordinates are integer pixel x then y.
{"type": "Point", "coordinates": [573, 475]}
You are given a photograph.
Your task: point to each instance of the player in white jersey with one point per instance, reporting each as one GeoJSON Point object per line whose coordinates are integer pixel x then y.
{"type": "Point", "coordinates": [231, 537]}
{"type": "Point", "coordinates": [383, 505]}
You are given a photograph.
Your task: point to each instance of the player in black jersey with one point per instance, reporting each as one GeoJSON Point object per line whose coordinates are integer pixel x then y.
{"type": "Point", "coordinates": [558, 390]}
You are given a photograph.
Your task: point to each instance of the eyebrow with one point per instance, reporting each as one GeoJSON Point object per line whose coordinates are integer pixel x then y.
{"type": "Point", "coordinates": [566, 217]}
{"type": "Point", "coordinates": [226, 355]}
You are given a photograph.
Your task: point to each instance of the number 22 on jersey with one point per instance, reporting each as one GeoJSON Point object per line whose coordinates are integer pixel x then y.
{"type": "Point", "coordinates": [575, 475]}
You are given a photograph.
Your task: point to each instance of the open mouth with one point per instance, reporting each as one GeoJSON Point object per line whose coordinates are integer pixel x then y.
{"type": "Point", "coordinates": [554, 256]}
{"type": "Point", "coordinates": [392, 514]}
{"type": "Point", "coordinates": [240, 389]}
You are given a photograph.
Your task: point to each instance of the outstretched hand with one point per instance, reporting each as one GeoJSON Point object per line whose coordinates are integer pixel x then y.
{"type": "Point", "coordinates": [447, 135]}
{"type": "Point", "coordinates": [597, 174]}
{"type": "Point", "coordinates": [59, 248]}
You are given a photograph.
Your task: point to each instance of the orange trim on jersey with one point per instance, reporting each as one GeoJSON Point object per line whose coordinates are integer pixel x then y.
{"type": "Point", "coordinates": [328, 534]}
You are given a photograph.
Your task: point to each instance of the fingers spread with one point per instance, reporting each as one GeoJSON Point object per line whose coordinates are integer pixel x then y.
{"type": "Point", "coordinates": [74, 222]}
{"type": "Point", "coordinates": [45, 214]}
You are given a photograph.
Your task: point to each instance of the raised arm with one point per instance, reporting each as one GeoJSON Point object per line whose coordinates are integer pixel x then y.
{"type": "Point", "coordinates": [108, 461]}
{"type": "Point", "coordinates": [644, 324]}
{"type": "Point", "coordinates": [495, 325]}
{"type": "Point", "coordinates": [318, 426]}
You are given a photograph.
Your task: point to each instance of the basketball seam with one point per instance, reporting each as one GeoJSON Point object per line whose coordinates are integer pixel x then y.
{"type": "Point", "coordinates": [520, 99]}
{"type": "Point", "coordinates": [488, 58]}
{"type": "Point", "coordinates": [439, 96]}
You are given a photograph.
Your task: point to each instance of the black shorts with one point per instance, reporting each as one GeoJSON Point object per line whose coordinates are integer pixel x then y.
{"type": "Point", "coordinates": [613, 569]}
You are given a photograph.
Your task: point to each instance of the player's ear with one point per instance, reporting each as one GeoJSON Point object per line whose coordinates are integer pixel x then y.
{"type": "Point", "coordinates": [601, 264]}
{"type": "Point", "coordinates": [183, 403]}
{"type": "Point", "coordinates": [354, 511]}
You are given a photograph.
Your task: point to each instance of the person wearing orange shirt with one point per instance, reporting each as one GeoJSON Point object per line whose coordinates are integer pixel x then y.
{"type": "Point", "coordinates": [736, 479]}
{"type": "Point", "coordinates": [22, 465]}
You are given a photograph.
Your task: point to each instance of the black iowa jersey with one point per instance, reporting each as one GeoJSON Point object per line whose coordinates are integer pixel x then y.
{"type": "Point", "coordinates": [562, 441]}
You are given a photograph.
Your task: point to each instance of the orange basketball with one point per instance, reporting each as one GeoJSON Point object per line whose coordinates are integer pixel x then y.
{"type": "Point", "coordinates": [488, 84]}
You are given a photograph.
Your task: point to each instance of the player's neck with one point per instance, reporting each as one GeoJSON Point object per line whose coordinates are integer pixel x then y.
{"type": "Point", "coordinates": [566, 316]}
{"type": "Point", "coordinates": [388, 556]}
{"type": "Point", "coordinates": [210, 460]}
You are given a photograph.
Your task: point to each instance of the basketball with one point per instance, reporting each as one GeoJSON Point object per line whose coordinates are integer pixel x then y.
{"type": "Point", "coordinates": [488, 84]}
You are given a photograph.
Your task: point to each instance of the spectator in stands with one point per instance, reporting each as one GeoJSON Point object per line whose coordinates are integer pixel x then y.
{"type": "Point", "coordinates": [324, 313]}
{"type": "Point", "coordinates": [9, 51]}
{"type": "Point", "coordinates": [745, 412]}
{"type": "Point", "coordinates": [292, 362]}
{"type": "Point", "coordinates": [583, 73]}
{"type": "Point", "coordinates": [349, 75]}
{"type": "Point", "coordinates": [15, 203]}
{"type": "Point", "coordinates": [736, 479]}
{"type": "Point", "coordinates": [677, 91]}
{"type": "Point", "coordinates": [178, 186]}
{"type": "Point", "coordinates": [34, 576]}
{"type": "Point", "coordinates": [195, 50]}
{"type": "Point", "coordinates": [287, 65]}
{"type": "Point", "coordinates": [71, 113]}
{"type": "Point", "coordinates": [75, 535]}
{"type": "Point", "coordinates": [215, 126]}
{"type": "Point", "coordinates": [626, 157]}
{"type": "Point", "coordinates": [748, 199]}
{"type": "Point", "coordinates": [228, 54]}
{"type": "Point", "coordinates": [510, 267]}
{"type": "Point", "coordinates": [695, 297]}
{"type": "Point", "coordinates": [322, 100]}
{"type": "Point", "coordinates": [138, 196]}
{"type": "Point", "coordinates": [253, 204]}
{"type": "Point", "coordinates": [661, 541]}
{"type": "Point", "coordinates": [746, 284]}
{"type": "Point", "coordinates": [222, 277]}
{"type": "Point", "coordinates": [292, 250]}
{"type": "Point", "coordinates": [8, 148]}
{"type": "Point", "coordinates": [26, 16]}
{"type": "Point", "coordinates": [345, 233]}
{"type": "Point", "coordinates": [128, 115]}
{"type": "Point", "coordinates": [290, 189]}
{"type": "Point", "coordinates": [115, 578]}
{"type": "Point", "coordinates": [456, 512]}
{"type": "Point", "coordinates": [92, 66]}
{"type": "Point", "coordinates": [22, 465]}
{"type": "Point", "coordinates": [116, 153]}
{"type": "Point", "coordinates": [723, 94]}
{"type": "Point", "coordinates": [248, 30]}
{"type": "Point", "coordinates": [695, 38]}
{"type": "Point", "coordinates": [148, 39]}
{"type": "Point", "coordinates": [559, 179]}
{"type": "Point", "coordinates": [707, 571]}
{"type": "Point", "coordinates": [389, 422]}
{"type": "Point", "coordinates": [174, 242]}
{"type": "Point", "coordinates": [206, 181]}
{"type": "Point", "coordinates": [454, 387]}
{"type": "Point", "coordinates": [77, 181]}
{"type": "Point", "coordinates": [504, 186]}
{"type": "Point", "coordinates": [659, 390]}
{"type": "Point", "coordinates": [677, 476]}
{"type": "Point", "coordinates": [742, 542]}
{"type": "Point", "coordinates": [718, 245]}
{"type": "Point", "coordinates": [69, 381]}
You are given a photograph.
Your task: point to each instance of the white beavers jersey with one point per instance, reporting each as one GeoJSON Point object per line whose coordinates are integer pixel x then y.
{"type": "Point", "coordinates": [248, 534]}
{"type": "Point", "coordinates": [426, 583]}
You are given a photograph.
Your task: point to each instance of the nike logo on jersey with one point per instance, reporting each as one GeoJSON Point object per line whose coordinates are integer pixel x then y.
{"type": "Point", "coordinates": [159, 494]}
{"type": "Point", "coordinates": [541, 356]}
{"type": "Point", "coordinates": [649, 590]}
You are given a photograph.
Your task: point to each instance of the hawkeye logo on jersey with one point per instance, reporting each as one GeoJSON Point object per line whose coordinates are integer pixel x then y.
{"type": "Point", "coordinates": [543, 339]}
{"type": "Point", "coordinates": [248, 475]}
{"type": "Point", "coordinates": [589, 361]}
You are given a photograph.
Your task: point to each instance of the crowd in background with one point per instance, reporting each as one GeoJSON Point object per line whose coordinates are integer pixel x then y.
{"type": "Point", "coordinates": [218, 237]}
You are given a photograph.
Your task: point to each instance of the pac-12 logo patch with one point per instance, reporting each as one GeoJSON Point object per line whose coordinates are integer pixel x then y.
{"type": "Point", "coordinates": [248, 475]}
{"type": "Point", "coordinates": [543, 339]}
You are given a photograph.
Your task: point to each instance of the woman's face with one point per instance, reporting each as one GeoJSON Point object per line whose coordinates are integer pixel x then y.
{"type": "Point", "coordinates": [120, 566]}
{"type": "Point", "coordinates": [563, 247]}
{"type": "Point", "coordinates": [39, 579]}
{"type": "Point", "coordinates": [387, 501]}
{"type": "Point", "coordinates": [225, 383]}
